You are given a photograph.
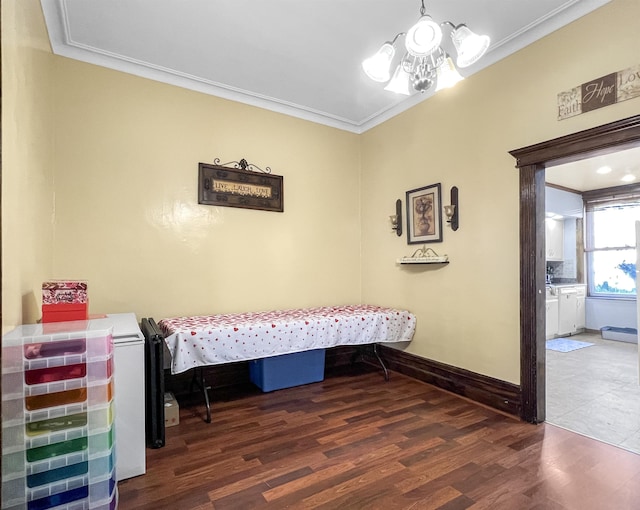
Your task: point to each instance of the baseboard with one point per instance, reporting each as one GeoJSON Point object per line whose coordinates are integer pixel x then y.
{"type": "Point", "coordinates": [486, 390]}
{"type": "Point", "coordinates": [236, 374]}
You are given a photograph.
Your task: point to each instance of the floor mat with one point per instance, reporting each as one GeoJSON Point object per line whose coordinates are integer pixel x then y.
{"type": "Point", "coordinates": [566, 345]}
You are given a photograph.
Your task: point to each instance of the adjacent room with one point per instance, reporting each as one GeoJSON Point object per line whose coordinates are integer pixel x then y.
{"type": "Point", "coordinates": [591, 315]}
{"type": "Point", "coordinates": [288, 177]}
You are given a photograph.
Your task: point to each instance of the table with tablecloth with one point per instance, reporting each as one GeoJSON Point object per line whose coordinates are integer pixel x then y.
{"type": "Point", "coordinates": [224, 338]}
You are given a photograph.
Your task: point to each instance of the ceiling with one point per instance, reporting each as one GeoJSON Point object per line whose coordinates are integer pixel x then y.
{"type": "Point", "coordinates": [583, 175]}
{"type": "Point", "coordinates": [297, 57]}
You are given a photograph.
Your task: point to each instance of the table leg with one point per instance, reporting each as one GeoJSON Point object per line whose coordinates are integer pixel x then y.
{"type": "Point", "coordinates": [199, 381]}
{"type": "Point", "coordinates": [374, 350]}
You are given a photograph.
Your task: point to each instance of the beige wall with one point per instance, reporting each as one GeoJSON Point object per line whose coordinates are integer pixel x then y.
{"type": "Point", "coordinates": [468, 311]}
{"type": "Point", "coordinates": [27, 170]}
{"type": "Point", "coordinates": [127, 218]}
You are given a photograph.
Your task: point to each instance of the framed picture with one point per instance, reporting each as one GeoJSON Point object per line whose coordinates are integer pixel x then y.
{"type": "Point", "coordinates": [237, 187]}
{"type": "Point", "coordinates": [424, 215]}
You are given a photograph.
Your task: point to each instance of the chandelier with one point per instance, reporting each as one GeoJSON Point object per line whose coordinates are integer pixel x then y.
{"type": "Point", "coordinates": [425, 62]}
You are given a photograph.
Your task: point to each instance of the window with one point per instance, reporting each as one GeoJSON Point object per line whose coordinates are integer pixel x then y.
{"type": "Point", "coordinates": [611, 241]}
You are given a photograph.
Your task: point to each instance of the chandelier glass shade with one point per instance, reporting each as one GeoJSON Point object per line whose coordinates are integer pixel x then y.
{"type": "Point", "coordinates": [423, 38]}
{"type": "Point", "coordinates": [425, 62]}
{"type": "Point", "coordinates": [377, 66]}
{"type": "Point", "coordinates": [470, 46]}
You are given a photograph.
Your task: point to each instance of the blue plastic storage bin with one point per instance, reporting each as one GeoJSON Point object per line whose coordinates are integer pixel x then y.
{"type": "Point", "coordinates": [287, 370]}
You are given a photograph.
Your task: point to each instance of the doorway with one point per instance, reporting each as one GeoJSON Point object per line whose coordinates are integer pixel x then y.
{"type": "Point", "coordinates": [592, 378]}
{"type": "Point", "coordinates": [531, 163]}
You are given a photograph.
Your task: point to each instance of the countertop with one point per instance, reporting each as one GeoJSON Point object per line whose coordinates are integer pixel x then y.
{"type": "Point", "coordinates": [552, 289]}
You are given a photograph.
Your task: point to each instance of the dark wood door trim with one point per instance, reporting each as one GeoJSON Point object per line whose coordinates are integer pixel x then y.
{"type": "Point", "coordinates": [591, 142]}
{"type": "Point", "coordinates": [531, 162]}
{"type": "Point", "coordinates": [532, 298]}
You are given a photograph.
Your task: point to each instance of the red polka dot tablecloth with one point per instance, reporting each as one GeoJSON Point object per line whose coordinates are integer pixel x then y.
{"type": "Point", "coordinates": [216, 339]}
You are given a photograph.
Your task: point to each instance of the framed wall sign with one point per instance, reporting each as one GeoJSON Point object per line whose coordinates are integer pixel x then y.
{"type": "Point", "coordinates": [600, 92]}
{"type": "Point", "coordinates": [238, 187]}
{"type": "Point", "coordinates": [424, 217]}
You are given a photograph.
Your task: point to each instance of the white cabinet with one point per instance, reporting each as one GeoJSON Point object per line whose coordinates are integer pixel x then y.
{"type": "Point", "coordinates": [554, 239]}
{"type": "Point", "coordinates": [129, 395]}
{"type": "Point", "coordinates": [571, 309]}
{"type": "Point", "coordinates": [581, 294]}
{"type": "Point", "coordinates": [566, 310]}
{"type": "Point", "coordinates": [551, 316]}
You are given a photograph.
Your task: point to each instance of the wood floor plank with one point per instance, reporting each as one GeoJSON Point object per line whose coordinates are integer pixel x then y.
{"type": "Point", "coordinates": [360, 479]}
{"type": "Point", "coordinates": [304, 485]}
{"type": "Point", "coordinates": [353, 441]}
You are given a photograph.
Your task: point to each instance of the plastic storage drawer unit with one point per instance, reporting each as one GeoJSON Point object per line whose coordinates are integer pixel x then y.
{"type": "Point", "coordinates": [58, 448]}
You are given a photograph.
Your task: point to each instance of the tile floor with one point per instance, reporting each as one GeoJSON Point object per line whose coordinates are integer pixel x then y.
{"type": "Point", "coordinates": [594, 391]}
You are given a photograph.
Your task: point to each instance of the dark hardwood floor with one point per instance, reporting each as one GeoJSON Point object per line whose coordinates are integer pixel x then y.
{"type": "Point", "coordinates": [356, 442]}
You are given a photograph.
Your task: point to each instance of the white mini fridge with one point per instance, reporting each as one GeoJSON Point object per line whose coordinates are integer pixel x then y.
{"type": "Point", "coordinates": [129, 395]}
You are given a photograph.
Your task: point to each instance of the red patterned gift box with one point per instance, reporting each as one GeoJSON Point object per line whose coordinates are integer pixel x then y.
{"type": "Point", "coordinates": [64, 300]}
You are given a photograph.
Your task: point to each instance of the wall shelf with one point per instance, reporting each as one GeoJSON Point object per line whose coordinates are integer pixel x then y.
{"type": "Point", "coordinates": [424, 255]}
{"type": "Point", "coordinates": [418, 261]}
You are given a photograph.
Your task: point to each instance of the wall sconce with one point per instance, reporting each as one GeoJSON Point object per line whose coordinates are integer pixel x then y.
{"type": "Point", "coordinates": [396, 219]}
{"type": "Point", "coordinates": [452, 211]}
